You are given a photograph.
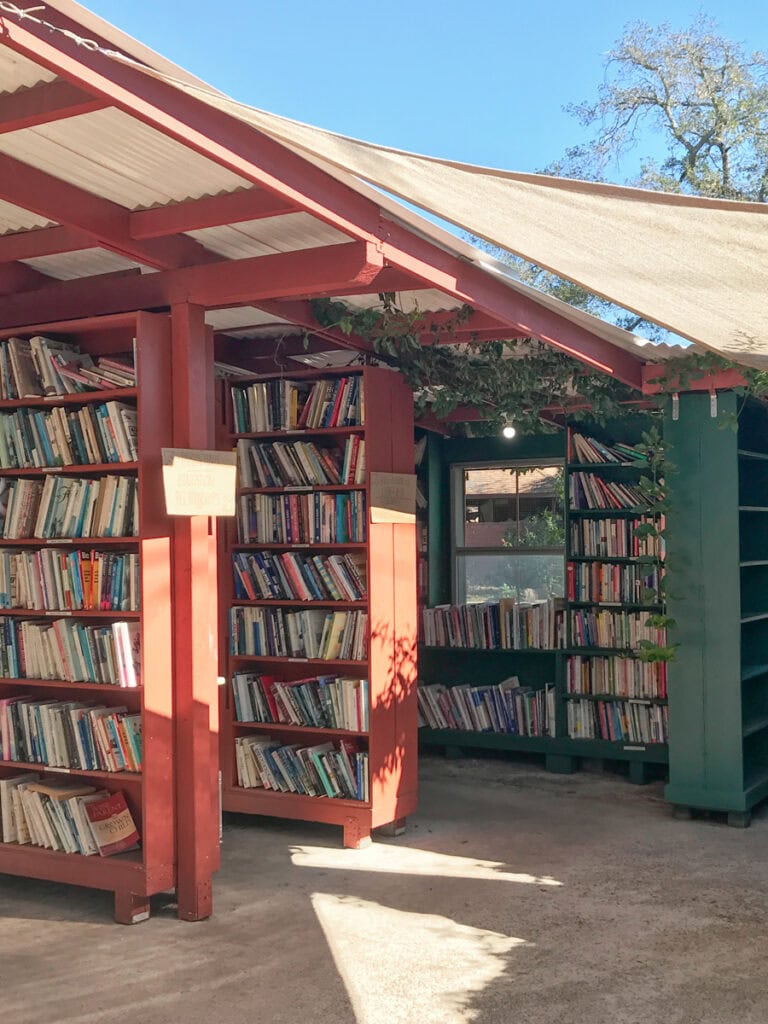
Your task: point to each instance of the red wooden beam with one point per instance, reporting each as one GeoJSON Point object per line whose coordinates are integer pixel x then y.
{"type": "Point", "coordinates": [231, 143]}
{"type": "Point", "coordinates": [107, 222]}
{"type": "Point", "coordinates": [209, 212]}
{"type": "Point", "coordinates": [299, 312]}
{"type": "Point", "coordinates": [322, 272]}
{"type": "Point", "coordinates": [655, 380]}
{"type": "Point", "coordinates": [16, 277]}
{"type": "Point", "coordinates": [26, 245]}
{"type": "Point", "coordinates": [44, 103]}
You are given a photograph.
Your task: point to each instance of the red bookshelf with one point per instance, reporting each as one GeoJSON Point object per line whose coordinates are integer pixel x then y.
{"type": "Point", "coordinates": [390, 663]}
{"type": "Point", "coordinates": [132, 877]}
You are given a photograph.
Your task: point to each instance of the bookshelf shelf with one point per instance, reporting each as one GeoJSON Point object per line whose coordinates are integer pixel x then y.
{"type": "Point", "coordinates": [614, 697]}
{"type": "Point", "coordinates": [129, 778]}
{"type": "Point", "coordinates": [626, 605]}
{"type": "Point", "coordinates": [282, 727]}
{"type": "Point", "coordinates": [754, 725]}
{"type": "Point", "coordinates": [621, 560]}
{"type": "Point", "coordinates": [600, 467]}
{"type": "Point", "coordinates": [750, 672]}
{"type": "Point", "coordinates": [654, 752]}
{"type": "Point", "coordinates": [82, 398]}
{"type": "Point", "coordinates": [298, 603]}
{"type": "Point", "coordinates": [607, 513]}
{"type": "Point", "coordinates": [83, 469]}
{"type": "Point", "coordinates": [301, 489]}
{"type": "Point", "coordinates": [31, 613]}
{"type": "Point", "coordinates": [144, 338]}
{"type": "Point", "coordinates": [297, 433]}
{"type": "Point", "coordinates": [389, 665]}
{"type": "Point", "coordinates": [743, 453]}
{"type": "Point", "coordinates": [520, 651]}
{"type": "Point", "coordinates": [64, 684]}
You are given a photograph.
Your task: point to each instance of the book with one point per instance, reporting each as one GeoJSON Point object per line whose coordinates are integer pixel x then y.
{"type": "Point", "coordinates": [114, 829]}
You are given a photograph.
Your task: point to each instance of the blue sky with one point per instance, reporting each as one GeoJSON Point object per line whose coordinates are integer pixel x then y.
{"type": "Point", "coordinates": [483, 82]}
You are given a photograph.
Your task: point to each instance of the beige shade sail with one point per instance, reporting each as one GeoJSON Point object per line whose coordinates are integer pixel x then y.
{"type": "Point", "coordinates": [698, 267]}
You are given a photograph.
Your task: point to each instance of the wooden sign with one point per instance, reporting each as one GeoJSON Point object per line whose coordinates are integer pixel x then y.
{"type": "Point", "coordinates": [393, 498]}
{"type": "Point", "coordinates": [199, 483]}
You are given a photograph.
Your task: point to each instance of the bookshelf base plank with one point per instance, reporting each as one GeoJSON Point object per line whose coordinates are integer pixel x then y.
{"type": "Point", "coordinates": [357, 835]}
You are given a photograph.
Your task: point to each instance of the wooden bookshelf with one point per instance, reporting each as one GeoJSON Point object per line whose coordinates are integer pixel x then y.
{"type": "Point", "coordinates": [390, 662]}
{"type": "Point", "coordinates": [132, 877]}
{"type": "Point", "coordinates": [719, 680]}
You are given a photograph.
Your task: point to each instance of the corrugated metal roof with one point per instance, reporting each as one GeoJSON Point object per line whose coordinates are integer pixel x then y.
{"type": "Point", "coordinates": [431, 301]}
{"type": "Point", "coordinates": [240, 316]}
{"type": "Point", "coordinates": [115, 156]}
{"type": "Point", "coordinates": [13, 218]}
{"type": "Point", "coordinates": [16, 72]}
{"type": "Point", "coordinates": [268, 235]}
{"type": "Point", "coordinates": [84, 263]}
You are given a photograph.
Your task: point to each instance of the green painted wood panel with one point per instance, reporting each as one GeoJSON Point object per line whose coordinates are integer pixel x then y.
{"type": "Point", "coordinates": [703, 582]}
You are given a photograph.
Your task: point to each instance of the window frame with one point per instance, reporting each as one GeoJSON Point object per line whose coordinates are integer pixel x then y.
{"type": "Point", "coordinates": [457, 512]}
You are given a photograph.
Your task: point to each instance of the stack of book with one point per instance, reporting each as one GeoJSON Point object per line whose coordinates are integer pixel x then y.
{"type": "Point", "coordinates": [314, 634]}
{"type": "Point", "coordinates": [300, 463]}
{"type": "Point", "coordinates": [291, 405]}
{"type": "Point", "coordinates": [69, 650]}
{"type": "Point", "coordinates": [496, 625]}
{"type": "Point", "coordinates": [320, 702]}
{"type": "Point", "coordinates": [66, 506]}
{"type": "Point", "coordinates": [589, 491]}
{"type": "Point", "coordinates": [322, 771]}
{"type": "Point", "coordinates": [64, 815]}
{"type": "Point", "coordinates": [69, 734]}
{"type": "Point", "coordinates": [295, 577]}
{"type": "Point", "coordinates": [506, 707]}
{"type": "Point", "coordinates": [42, 367]}
{"type": "Point", "coordinates": [616, 538]}
{"type": "Point", "coordinates": [621, 630]}
{"type": "Point", "coordinates": [57, 579]}
{"type": "Point", "coordinates": [605, 583]}
{"type": "Point", "coordinates": [301, 518]}
{"type": "Point", "coordinates": [589, 449]}
{"type": "Point", "coordinates": [619, 721]}
{"type": "Point", "coordinates": [33, 438]}
{"type": "Point", "coordinates": [619, 677]}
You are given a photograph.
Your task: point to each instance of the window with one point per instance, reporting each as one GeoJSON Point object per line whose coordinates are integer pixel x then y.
{"type": "Point", "coordinates": [509, 532]}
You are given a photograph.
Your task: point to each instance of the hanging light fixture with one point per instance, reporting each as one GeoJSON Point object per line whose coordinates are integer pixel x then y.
{"type": "Point", "coordinates": [508, 430]}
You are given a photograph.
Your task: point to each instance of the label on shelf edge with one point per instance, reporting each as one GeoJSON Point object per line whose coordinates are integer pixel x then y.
{"type": "Point", "coordinates": [628, 747]}
{"type": "Point", "coordinates": [51, 768]}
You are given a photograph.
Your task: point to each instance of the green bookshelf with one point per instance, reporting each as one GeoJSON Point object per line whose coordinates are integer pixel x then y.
{"type": "Point", "coordinates": [719, 535]}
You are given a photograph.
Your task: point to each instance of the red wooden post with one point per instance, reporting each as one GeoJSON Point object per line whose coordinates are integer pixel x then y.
{"type": "Point", "coordinates": [195, 668]}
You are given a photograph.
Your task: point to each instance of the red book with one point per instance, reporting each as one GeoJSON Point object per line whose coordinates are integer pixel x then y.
{"type": "Point", "coordinates": [112, 824]}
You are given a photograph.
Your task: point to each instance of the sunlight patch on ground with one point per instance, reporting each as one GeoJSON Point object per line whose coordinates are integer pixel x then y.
{"type": "Point", "coordinates": [407, 861]}
{"type": "Point", "coordinates": [400, 967]}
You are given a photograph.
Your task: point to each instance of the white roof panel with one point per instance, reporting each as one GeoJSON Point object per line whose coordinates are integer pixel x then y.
{"type": "Point", "coordinates": [13, 218]}
{"type": "Point", "coordinates": [115, 156]}
{"type": "Point", "coordinates": [269, 235]}
{"type": "Point", "coordinates": [85, 263]}
{"type": "Point", "coordinates": [17, 72]}
{"type": "Point", "coordinates": [240, 316]}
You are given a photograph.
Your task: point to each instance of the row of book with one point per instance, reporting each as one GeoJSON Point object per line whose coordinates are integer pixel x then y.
{"type": "Point", "coordinates": [622, 630]}
{"type": "Point", "coordinates": [57, 579]}
{"type": "Point", "coordinates": [505, 707]}
{"type": "Point", "coordinates": [70, 734]}
{"type": "Point", "coordinates": [65, 815]}
{"type": "Point", "coordinates": [297, 404]}
{"type": "Point", "coordinates": [323, 770]}
{"type": "Point", "coordinates": [607, 583]}
{"type": "Point", "coordinates": [589, 449]}
{"type": "Point", "coordinates": [617, 538]}
{"type": "Point", "coordinates": [69, 650]}
{"type": "Point", "coordinates": [35, 438]}
{"type": "Point", "coordinates": [315, 518]}
{"type": "Point", "coordinates": [314, 633]}
{"type": "Point", "coordinates": [620, 721]}
{"type": "Point", "coordinates": [300, 463]}
{"type": "Point", "coordinates": [37, 367]}
{"type": "Point", "coordinates": [66, 506]}
{"type": "Point", "coordinates": [588, 491]}
{"type": "Point", "coordinates": [298, 577]}
{"type": "Point", "coordinates": [320, 702]}
{"type": "Point", "coordinates": [496, 625]}
{"type": "Point", "coordinates": [619, 677]}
